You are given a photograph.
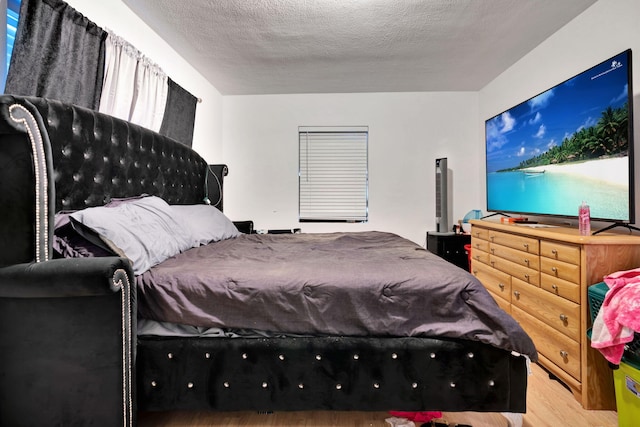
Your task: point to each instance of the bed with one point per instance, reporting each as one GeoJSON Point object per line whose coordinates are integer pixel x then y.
{"type": "Point", "coordinates": [228, 321]}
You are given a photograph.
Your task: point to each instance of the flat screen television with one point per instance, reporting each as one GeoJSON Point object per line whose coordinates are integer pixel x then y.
{"type": "Point", "coordinates": [569, 144]}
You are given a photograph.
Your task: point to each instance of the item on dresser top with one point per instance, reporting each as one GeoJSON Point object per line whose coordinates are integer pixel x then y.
{"type": "Point", "coordinates": [584, 219]}
{"type": "Point", "coordinates": [472, 214]}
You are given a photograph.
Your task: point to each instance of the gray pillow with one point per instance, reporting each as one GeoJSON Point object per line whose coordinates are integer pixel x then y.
{"type": "Point", "coordinates": [206, 223]}
{"type": "Point", "coordinates": [143, 229]}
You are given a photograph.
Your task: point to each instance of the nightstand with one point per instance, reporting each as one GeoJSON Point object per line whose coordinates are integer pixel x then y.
{"type": "Point", "coordinates": [449, 246]}
{"type": "Point", "coordinates": [245, 227]}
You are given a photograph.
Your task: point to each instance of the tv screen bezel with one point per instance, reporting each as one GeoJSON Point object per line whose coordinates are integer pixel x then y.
{"type": "Point", "coordinates": [631, 155]}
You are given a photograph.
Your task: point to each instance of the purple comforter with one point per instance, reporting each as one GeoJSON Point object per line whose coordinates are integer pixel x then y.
{"type": "Point", "coordinates": [353, 284]}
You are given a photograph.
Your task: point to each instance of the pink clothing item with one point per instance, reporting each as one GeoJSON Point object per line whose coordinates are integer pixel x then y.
{"type": "Point", "coordinates": [421, 417]}
{"type": "Point", "coordinates": [619, 315]}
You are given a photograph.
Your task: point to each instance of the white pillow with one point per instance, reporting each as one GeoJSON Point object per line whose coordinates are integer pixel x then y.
{"type": "Point", "coordinates": [206, 223]}
{"type": "Point", "coordinates": [143, 229]}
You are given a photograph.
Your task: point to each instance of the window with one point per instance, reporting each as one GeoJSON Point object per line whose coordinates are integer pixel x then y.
{"type": "Point", "coordinates": [333, 174]}
{"type": "Point", "coordinates": [13, 11]}
{"type": "Point", "coordinates": [8, 37]}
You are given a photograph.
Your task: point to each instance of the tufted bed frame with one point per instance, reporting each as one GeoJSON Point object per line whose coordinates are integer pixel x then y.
{"type": "Point", "coordinates": [69, 353]}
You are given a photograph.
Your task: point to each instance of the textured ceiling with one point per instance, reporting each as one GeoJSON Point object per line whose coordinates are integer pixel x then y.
{"type": "Point", "coordinates": [332, 46]}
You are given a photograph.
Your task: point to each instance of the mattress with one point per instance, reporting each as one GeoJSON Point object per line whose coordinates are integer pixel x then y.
{"type": "Point", "coordinates": [334, 284]}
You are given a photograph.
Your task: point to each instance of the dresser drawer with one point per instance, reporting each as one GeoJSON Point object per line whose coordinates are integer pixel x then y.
{"type": "Point", "coordinates": [560, 251]}
{"type": "Point", "coordinates": [521, 272]}
{"type": "Point", "coordinates": [514, 255]}
{"type": "Point", "coordinates": [479, 233]}
{"type": "Point", "coordinates": [555, 311]}
{"type": "Point", "coordinates": [559, 269]}
{"type": "Point", "coordinates": [480, 256]}
{"type": "Point", "coordinates": [557, 347]}
{"type": "Point", "coordinates": [515, 241]}
{"type": "Point", "coordinates": [482, 245]}
{"type": "Point", "coordinates": [497, 282]}
{"type": "Point", "coordinates": [502, 303]}
{"type": "Point", "coordinates": [560, 287]}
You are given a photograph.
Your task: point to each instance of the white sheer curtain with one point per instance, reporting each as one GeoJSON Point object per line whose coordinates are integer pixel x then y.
{"type": "Point", "coordinates": [134, 88]}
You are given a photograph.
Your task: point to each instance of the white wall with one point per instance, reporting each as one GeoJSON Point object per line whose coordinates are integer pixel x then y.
{"type": "Point", "coordinates": [115, 16]}
{"type": "Point", "coordinates": [602, 31]}
{"type": "Point", "coordinates": [407, 132]}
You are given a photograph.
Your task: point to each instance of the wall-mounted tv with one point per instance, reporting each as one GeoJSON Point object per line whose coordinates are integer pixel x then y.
{"type": "Point", "coordinates": [569, 144]}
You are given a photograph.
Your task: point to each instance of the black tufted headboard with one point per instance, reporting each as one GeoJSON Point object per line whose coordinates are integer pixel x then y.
{"type": "Point", "coordinates": [86, 158]}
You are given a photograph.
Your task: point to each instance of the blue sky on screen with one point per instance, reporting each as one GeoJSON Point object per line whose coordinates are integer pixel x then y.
{"type": "Point", "coordinates": [531, 128]}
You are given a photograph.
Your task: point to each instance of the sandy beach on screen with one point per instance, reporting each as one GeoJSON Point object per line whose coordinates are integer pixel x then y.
{"type": "Point", "coordinates": [614, 170]}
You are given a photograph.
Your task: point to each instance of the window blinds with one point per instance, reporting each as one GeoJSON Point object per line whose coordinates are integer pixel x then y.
{"type": "Point", "coordinates": [333, 174]}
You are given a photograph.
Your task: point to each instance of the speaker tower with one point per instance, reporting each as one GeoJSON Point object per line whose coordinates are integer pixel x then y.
{"type": "Point", "coordinates": [442, 214]}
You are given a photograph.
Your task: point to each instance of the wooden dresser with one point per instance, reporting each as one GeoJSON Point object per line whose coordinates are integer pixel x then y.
{"type": "Point", "coordinates": [540, 276]}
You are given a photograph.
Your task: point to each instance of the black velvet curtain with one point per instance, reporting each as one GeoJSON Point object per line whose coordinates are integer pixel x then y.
{"type": "Point", "coordinates": [58, 54]}
{"type": "Point", "coordinates": [179, 114]}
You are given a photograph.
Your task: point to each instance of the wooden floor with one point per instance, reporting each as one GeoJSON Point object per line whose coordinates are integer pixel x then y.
{"type": "Point", "coordinates": [549, 404]}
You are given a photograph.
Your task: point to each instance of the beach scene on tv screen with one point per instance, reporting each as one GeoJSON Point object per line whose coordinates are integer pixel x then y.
{"type": "Point", "coordinates": [564, 146]}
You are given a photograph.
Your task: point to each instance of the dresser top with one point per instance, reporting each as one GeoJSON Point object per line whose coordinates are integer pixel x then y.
{"type": "Point", "coordinates": [560, 233]}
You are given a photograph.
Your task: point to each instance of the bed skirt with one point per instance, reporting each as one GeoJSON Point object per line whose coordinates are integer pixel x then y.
{"type": "Point", "coordinates": [328, 373]}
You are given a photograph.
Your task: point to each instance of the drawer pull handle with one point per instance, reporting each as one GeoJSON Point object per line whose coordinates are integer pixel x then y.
{"type": "Point", "coordinates": [554, 269]}
{"type": "Point", "coordinates": [517, 294]}
{"type": "Point", "coordinates": [555, 288]}
{"type": "Point", "coordinates": [493, 250]}
{"type": "Point", "coordinates": [526, 261]}
{"type": "Point", "coordinates": [564, 354]}
{"type": "Point", "coordinates": [564, 318]}
{"type": "Point", "coordinates": [501, 286]}
{"type": "Point", "coordinates": [526, 245]}
{"type": "Point", "coordinates": [554, 251]}
{"type": "Point", "coordinates": [526, 276]}
{"type": "Point", "coordinates": [475, 272]}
